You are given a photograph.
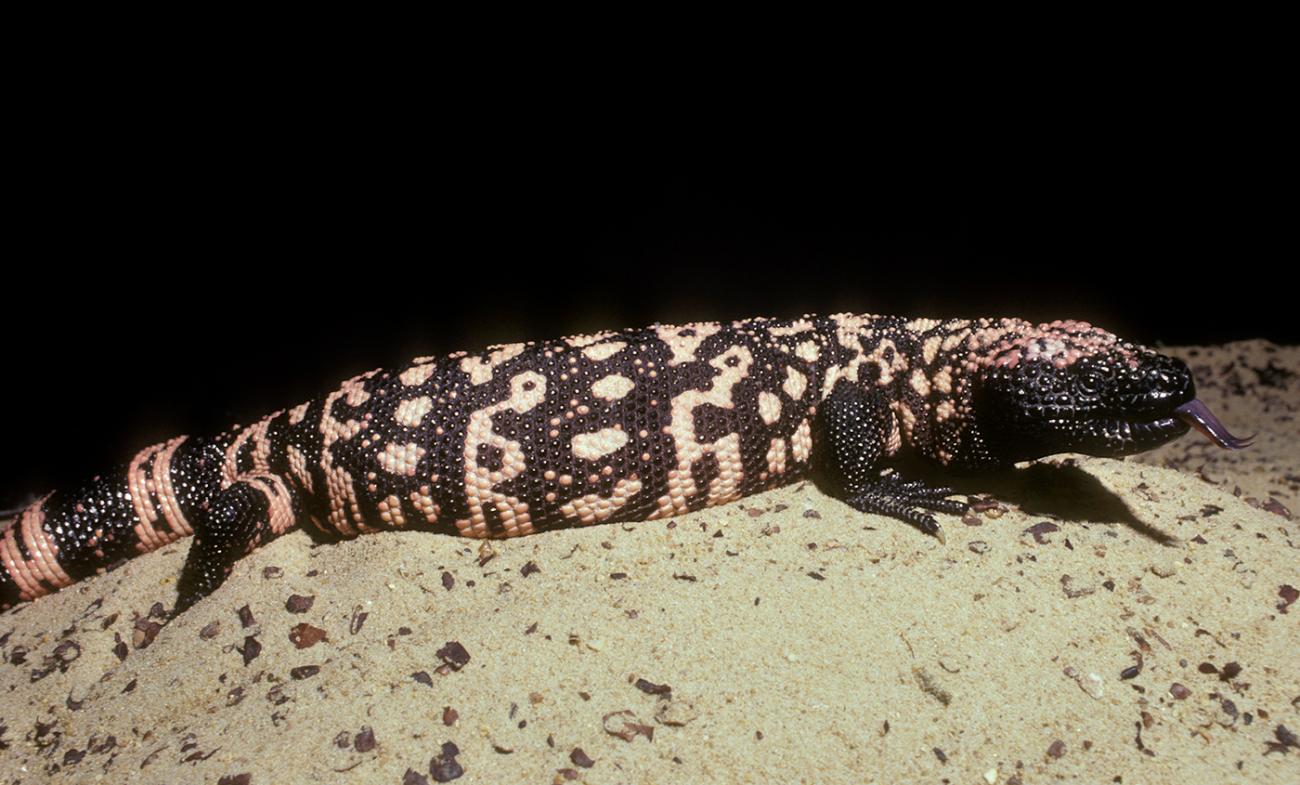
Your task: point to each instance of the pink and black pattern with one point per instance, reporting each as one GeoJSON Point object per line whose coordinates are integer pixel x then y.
{"type": "Point", "coordinates": [619, 426]}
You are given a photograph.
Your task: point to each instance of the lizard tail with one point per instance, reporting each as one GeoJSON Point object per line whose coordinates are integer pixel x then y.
{"type": "Point", "coordinates": [64, 537]}
{"type": "Point", "coordinates": [29, 556]}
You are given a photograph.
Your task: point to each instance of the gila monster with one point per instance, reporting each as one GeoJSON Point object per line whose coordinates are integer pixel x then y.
{"type": "Point", "coordinates": [630, 425]}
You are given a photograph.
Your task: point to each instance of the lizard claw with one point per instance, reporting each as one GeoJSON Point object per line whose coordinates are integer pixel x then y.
{"type": "Point", "coordinates": [906, 507]}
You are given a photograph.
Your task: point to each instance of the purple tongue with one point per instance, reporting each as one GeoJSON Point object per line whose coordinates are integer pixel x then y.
{"type": "Point", "coordinates": [1198, 415]}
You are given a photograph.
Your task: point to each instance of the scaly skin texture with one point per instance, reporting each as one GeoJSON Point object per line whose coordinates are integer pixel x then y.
{"type": "Point", "coordinates": [618, 426]}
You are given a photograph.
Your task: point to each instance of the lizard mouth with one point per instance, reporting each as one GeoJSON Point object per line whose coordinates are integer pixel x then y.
{"type": "Point", "coordinates": [1198, 415]}
{"type": "Point", "coordinates": [1125, 437]}
{"type": "Point", "coordinates": [1128, 436]}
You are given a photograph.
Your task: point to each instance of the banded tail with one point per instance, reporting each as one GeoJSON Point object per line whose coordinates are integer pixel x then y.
{"type": "Point", "coordinates": [140, 507]}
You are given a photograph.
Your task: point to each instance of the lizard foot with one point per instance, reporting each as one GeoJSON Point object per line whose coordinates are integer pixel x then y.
{"type": "Point", "coordinates": [906, 500]}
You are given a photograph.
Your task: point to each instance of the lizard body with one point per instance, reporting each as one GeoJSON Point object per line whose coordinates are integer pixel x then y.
{"type": "Point", "coordinates": [618, 426]}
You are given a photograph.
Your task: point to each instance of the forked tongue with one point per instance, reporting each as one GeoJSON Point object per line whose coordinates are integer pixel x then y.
{"type": "Point", "coordinates": [1199, 416]}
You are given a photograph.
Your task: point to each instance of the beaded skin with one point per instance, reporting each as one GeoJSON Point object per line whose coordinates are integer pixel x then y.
{"type": "Point", "coordinates": [627, 425]}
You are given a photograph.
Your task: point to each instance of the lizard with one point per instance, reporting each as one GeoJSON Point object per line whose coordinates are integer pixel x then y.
{"type": "Point", "coordinates": [628, 425]}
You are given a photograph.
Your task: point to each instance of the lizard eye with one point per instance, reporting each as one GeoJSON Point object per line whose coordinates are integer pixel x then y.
{"type": "Point", "coordinates": [1090, 383]}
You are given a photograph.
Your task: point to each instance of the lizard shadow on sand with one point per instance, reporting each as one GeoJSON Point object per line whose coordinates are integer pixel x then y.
{"type": "Point", "coordinates": [1059, 491]}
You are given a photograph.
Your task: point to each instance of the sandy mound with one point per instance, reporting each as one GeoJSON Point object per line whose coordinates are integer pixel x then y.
{"type": "Point", "coordinates": [1107, 621]}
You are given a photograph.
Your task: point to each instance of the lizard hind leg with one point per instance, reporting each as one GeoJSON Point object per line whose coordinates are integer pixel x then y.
{"type": "Point", "coordinates": [248, 513]}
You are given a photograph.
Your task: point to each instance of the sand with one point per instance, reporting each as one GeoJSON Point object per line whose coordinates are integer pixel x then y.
{"type": "Point", "coordinates": [1106, 621]}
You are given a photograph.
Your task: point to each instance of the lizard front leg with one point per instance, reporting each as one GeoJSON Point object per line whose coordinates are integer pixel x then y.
{"type": "Point", "coordinates": [851, 441]}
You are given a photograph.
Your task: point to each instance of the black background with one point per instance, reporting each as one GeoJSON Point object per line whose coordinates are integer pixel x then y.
{"type": "Point", "coordinates": [175, 282]}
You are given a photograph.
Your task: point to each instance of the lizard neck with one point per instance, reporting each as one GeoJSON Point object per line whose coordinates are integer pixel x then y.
{"type": "Point", "coordinates": [924, 369]}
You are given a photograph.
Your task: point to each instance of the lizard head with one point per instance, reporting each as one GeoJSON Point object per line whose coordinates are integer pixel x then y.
{"type": "Point", "coordinates": [1069, 387]}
